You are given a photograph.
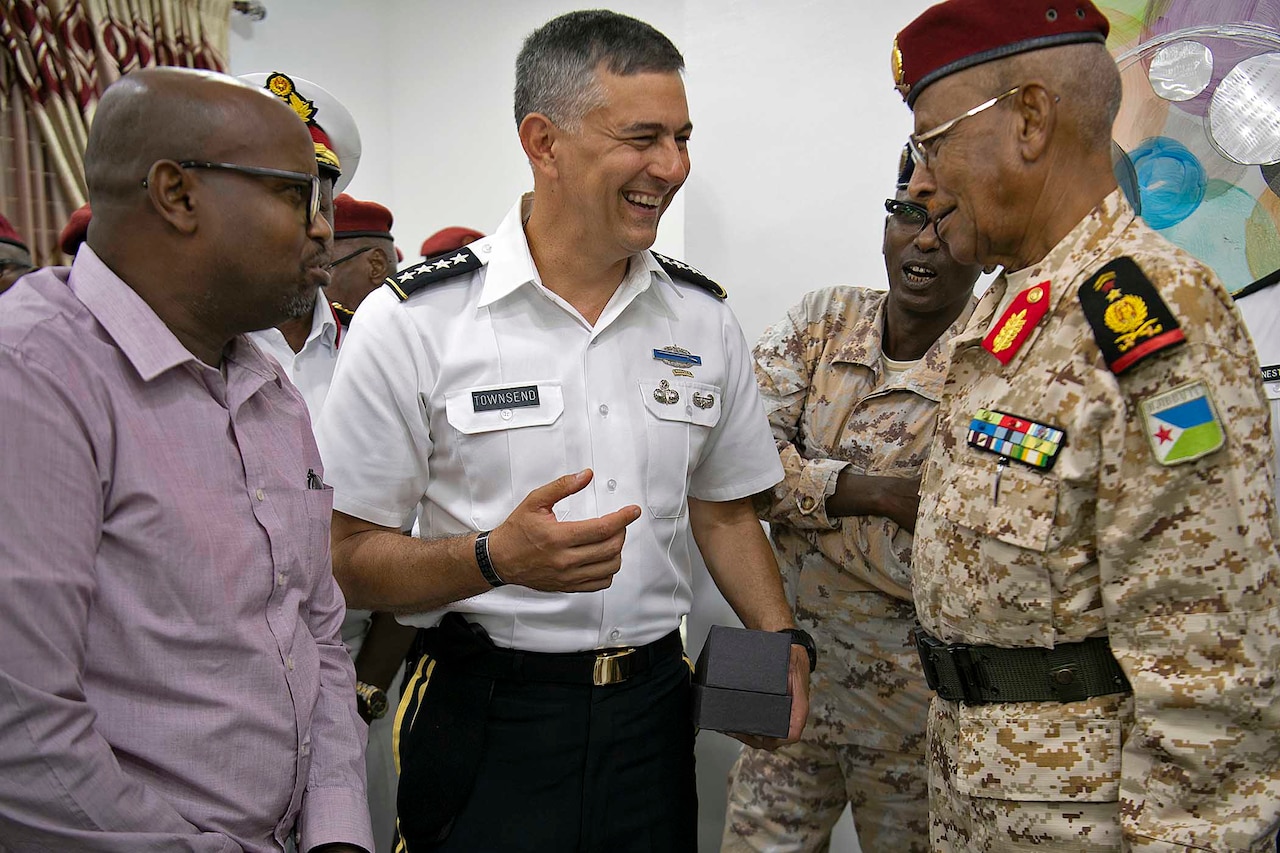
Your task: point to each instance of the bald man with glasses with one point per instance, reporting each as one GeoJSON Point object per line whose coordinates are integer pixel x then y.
{"type": "Point", "coordinates": [172, 672]}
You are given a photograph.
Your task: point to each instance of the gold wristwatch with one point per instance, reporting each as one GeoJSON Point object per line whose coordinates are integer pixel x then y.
{"type": "Point", "coordinates": [372, 700]}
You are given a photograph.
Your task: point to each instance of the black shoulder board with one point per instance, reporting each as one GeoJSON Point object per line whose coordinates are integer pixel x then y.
{"type": "Point", "coordinates": [684, 272]}
{"type": "Point", "coordinates": [412, 279]}
{"type": "Point", "coordinates": [1130, 321]}
{"type": "Point", "coordinates": [1263, 283]}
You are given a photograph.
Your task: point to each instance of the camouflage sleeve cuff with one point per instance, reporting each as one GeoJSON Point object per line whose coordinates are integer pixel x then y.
{"type": "Point", "coordinates": [817, 483]}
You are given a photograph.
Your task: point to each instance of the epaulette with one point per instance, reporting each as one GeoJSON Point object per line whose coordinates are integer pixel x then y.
{"type": "Point", "coordinates": [684, 272]}
{"type": "Point", "coordinates": [341, 313]}
{"type": "Point", "coordinates": [1263, 283]}
{"type": "Point", "coordinates": [1129, 319]}
{"type": "Point", "coordinates": [432, 270]}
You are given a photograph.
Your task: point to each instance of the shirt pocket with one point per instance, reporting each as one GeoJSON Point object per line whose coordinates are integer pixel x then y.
{"type": "Point", "coordinates": [998, 579]}
{"type": "Point", "coordinates": [506, 451]}
{"type": "Point", "coordinates": [680, 417]}
{"type": "Point", "coordinates": [319, 508]}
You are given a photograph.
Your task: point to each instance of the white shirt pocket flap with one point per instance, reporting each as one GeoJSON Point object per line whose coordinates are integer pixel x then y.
{"type": "Point", "coordinates": [512, 405]}
{"type": "Point", "coordinates": [682, 400]}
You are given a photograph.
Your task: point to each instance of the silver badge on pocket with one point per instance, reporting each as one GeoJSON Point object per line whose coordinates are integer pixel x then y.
{"type": "Point", "coordinates": [666, 395]}
{"type": "Point", "coordinates": [704, 401]}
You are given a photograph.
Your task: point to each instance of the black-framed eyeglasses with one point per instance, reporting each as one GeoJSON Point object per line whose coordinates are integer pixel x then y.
{"type": "Point", "coordinates": [924, 144]}
{"type": "Point", "coordinates": [346, 258]}
{"type": "Point", "coordinates": [907, 214]}
{"type": "Point", "coordinates": [311, 181]}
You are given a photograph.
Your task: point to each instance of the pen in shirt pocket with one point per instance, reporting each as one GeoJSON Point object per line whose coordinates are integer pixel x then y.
{"type": "Point", "coordinates": [313, 480]}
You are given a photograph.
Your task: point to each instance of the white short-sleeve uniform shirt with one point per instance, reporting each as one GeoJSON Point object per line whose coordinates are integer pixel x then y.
{"type": "Point", "coordinates": [481, 387]}
{"type": "Point", "coordinates": [1261, 313]}
{"type": "Point", "coordinates": [310, 369]}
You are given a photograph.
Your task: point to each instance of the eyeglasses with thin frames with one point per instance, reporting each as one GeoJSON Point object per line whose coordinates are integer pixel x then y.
{"type": "Point", "coordinates": [311, 181]}
{"type": "Point", "coordinates": [918, 141]}
{"type": "Point", "coordinates": [346, 258]}
{"type": "Point", "coordinates": [907, 214]}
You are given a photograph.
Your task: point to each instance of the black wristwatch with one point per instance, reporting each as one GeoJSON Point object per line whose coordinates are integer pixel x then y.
{"type": "Point", "coordinates": [800, 637]}
{"type": "Point", "coordinates": [371, 700]}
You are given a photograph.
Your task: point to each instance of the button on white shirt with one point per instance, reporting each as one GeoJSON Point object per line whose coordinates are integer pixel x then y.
{"type": "Point", "coordinates": [411, 423]}
{"type": "Point", "coordinates": [310, 368]}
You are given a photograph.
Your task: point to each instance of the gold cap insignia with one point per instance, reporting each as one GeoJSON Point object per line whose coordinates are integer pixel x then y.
{"type": "Point", "coordinates": [283, 88]}
{"type": "Point", "coordinates": [895, 62]}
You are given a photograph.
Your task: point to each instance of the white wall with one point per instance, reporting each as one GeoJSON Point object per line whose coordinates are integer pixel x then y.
{"type": "Point", "coordinates": [797, 131]}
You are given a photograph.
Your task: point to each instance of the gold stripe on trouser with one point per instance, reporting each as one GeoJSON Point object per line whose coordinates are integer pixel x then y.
{"type": "Point", "coordinates": [411, 697]}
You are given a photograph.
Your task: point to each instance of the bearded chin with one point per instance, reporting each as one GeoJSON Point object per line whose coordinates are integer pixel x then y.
{"type": "Point", "coordinates": [300, 305]}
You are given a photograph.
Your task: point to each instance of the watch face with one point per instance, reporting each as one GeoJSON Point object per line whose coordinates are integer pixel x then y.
{"type": "Point", "coordinates": [373, 700]}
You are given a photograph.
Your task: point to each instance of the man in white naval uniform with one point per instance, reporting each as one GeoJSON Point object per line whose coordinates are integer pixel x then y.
{"type": "Point", "coordinates": [306, 347]}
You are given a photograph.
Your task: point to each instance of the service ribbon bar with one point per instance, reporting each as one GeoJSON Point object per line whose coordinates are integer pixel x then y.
{"type": "Point", "coordinates": [1035, 444]}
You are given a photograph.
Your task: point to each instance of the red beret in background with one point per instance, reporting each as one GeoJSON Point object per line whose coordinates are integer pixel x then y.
{"type": "Point", "coordinates": [74, 232]}
{"type": "Point", "coordinates": [448, 239]}
{"type": "Point", "coordinates": [960, 34]}
{"type": "Point", "coordinates": [355, 218]}
{"type": "Point", "coordinates": [9, 234]}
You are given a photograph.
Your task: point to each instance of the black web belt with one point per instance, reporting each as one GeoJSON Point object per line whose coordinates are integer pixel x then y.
{"type": "Point", "coordinates": [977, 675]}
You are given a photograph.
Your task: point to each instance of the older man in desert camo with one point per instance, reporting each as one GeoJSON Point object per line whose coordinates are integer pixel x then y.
{"type": "Point", "coordinates": [1095, 564]}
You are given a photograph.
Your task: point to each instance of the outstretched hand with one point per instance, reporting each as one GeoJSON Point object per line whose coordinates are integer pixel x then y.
{"type": "Point", "coordinates": [534, 549]}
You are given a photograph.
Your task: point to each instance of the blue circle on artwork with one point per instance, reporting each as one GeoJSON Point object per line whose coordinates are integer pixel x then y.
{"type": "Point", "coordinates": [1171, 181]}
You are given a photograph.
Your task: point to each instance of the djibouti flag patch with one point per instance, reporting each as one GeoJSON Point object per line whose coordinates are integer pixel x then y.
{"type": "Point", "coordinates": [1182, 424]}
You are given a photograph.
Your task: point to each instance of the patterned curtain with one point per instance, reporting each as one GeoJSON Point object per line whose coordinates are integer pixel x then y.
{"type": "Point", "coordinates": [59, 55]}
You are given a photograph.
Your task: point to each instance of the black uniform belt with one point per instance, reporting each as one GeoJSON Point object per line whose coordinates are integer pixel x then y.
{"type": "Point", "coordinates": [477, 653]}
{"type": "Point", "coordinates": [1068, 672]}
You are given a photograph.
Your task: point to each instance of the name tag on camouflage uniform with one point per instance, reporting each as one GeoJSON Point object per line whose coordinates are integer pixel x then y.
{"type": "Point", "coordinates": [1182, 425]}
{"type": "Point", "coordinates": [1017, 438]}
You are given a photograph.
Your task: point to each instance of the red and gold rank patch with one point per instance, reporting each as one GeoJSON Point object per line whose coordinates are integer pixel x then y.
{"type": "Point", "coordinates": [1017, 322]}
{"type": "Point", "coordinates": [1129, 319]}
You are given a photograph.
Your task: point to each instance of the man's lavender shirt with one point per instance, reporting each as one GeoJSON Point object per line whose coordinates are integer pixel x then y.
{"type": "Point", "coordinates": [171, 674]}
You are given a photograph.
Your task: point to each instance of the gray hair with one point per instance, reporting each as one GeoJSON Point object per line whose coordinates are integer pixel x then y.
{"type": "Point", "coordinates": [556, 68]}
{"type": "Point", "coordinates": [1085, 75]}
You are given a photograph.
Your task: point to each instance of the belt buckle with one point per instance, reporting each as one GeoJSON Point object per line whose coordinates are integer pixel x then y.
{"type": "Point", "coordinates": [612, 666]}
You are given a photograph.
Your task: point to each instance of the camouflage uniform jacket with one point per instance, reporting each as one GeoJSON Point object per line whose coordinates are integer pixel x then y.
{"type": "Point", "coordinates": [831, 406]}
{"type": "Point", "coordinates": [1176, 563]}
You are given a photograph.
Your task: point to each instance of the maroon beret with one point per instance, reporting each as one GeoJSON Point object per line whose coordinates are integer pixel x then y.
{"type": "Point", "coordinates": [448, 239]}
{"type": "Point", "coordinates": [74, 232]}
{"type": "Point", "coordinates": [960, 34]}
{"type": "Point", "coordinates": [355, 218]}
{"type": "Point", "coordinates": [9, 234]}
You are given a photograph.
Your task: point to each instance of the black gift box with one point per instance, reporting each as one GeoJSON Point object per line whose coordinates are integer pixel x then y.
{"type": "Point", "coordinates": [740, 682]}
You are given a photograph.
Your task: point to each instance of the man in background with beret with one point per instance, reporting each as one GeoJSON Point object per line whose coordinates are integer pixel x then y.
{"type": "Point", "coordinates": [364, 253]}
{"type": "Point", "coordinates": [306, 345]}
{"type": "Point", "coordinates": [15, 256]}
{"type": "Point", "coordinates": [1095, 564]}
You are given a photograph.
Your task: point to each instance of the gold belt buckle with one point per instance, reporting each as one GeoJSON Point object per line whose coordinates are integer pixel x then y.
{"type": "Point", "coordinates": [612, 667]}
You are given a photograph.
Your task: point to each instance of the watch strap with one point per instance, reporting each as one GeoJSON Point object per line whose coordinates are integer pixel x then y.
{"type": "Point", "coordinates": [801, 637]}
